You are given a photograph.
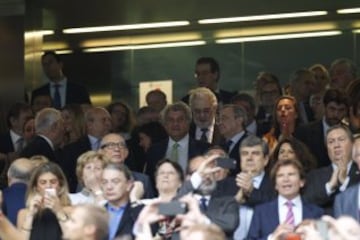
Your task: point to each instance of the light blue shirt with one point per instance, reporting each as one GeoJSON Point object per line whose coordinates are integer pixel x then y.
{"type": "Point", "coordinates": [115, 218]}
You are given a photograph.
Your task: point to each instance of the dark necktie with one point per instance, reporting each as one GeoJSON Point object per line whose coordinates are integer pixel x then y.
{"type": "Point", "coordinates": [203, 204]}
{"type": "Point", "coordinates": [228, 145]}
{"type": "Point", "coordinates": [57, 98]}
{"type": "Point", "coordinates": [203, 136]}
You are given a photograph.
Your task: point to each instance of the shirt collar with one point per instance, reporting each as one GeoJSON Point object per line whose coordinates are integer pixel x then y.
{"type": "Point", "coordinates": [114, 209]}
{"type": "Point", "coordinates": [237, 137]}
{"type": "Point", "coordinates": [334, 166]}
{"type": "Point", "coordinates": [182, 142]}
{"type": "Point", "coordinates": [258, 179]}
{"type": "Point", "coordinates": [14, 136]}
{"type": "Point", "coordinates": [62, 82]}
{"type": "Point", "coordinates": [296, 201]}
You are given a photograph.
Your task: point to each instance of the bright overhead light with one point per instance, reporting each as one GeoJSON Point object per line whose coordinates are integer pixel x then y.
{"type": "Point", "coordinates": [348, 10]}
{"type": "Point", "coordinates": [278, 37]}
{"type": "Point", "coordinates": [263, 17]}
{"type": "Point", "coordinates": [125, 27]}
{"type": "Point", "coordinates": [356, 31]}
{"type": "Point", "coordinates": [65, 51]}
{"type": "Point", "coordinates": [145, 46]}
{"type": "Point", "coordinates": [39, 33]}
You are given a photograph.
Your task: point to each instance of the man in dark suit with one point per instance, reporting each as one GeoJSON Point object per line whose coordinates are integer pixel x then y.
{"type": "Point", "coordinates": [14, 196]}
{"type": "Point", "coordinates": [116, 184]}
{"type": "Point", "coordinates": [179, 147]}
{"type": "Point", "coordinates": [59, 88]}
{"type": "Point", "coordinates": [98, 124]}
{"type": "Point", "coordinates": [203, 105]}
{"type": "Point", "coordinates": [255, 186]}
{"type": "Point", "coordinates": [221, 210]}
{"type": "Point", "coordinates": [314, 134]}
{"type": "Point", "coordinates": [348, 202]}
{"type": "Point", "coordinates": [49, 127]}
{"type": "Point", "coordinates": [279, 217]}
{"type": "Point", "coordinates": [113, 145]}
{"type": "Point", "coordinates": [231, 122]}
{"type": "Point", "coordinates": [207, 73]}
{"type": "Point", "coordinates": [325, 183]}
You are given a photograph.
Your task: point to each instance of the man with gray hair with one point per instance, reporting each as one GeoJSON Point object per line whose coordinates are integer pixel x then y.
{"type": "Point", "coordinates": [179, 147]}
{"type": "Point", "coordinates": [231, 122]}
{"type": "Point", "coordinates": [342, 72]}
{"type": "Point", "coordinates": [87, 222]}
{"type": "Point", "coordinates": [49, 127]}
{"type": "Point", "coordinates": [14, 196]}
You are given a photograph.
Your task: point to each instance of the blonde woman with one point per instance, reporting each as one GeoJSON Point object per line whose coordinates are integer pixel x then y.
{"type": "Point", "coordinates": [47, 189]}
{"type": "Point", "coordinates": [88, 170]}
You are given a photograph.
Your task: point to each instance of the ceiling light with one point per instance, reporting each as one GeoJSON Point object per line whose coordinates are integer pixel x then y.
{"type": "Point", "coordinates": [263, 17]}
{"type": "Point", "coordinates": [125, 27]}
{"type": "Point", "coordinates": [278, 37]}
{"type": "Point", "coordinates": [39, 33]}
{"type": "Point", "coordinates": [356, 31]}
{"type": "Point", "coordinates": [348, 10]}
{"type": "Point", "coordinates": [145, 46]}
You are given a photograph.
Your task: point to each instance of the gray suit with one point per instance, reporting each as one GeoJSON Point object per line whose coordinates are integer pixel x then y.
{"type": "Point", "coordinates": [347, 203]}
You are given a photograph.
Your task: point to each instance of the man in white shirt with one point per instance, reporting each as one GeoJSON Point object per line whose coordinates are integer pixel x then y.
{"type": "Point", "coordinates": [274, 219]}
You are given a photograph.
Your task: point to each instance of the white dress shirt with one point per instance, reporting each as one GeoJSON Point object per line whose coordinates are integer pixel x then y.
{"type": "Point", "coordinates": [183, 150]}
{"type": "Point", "coordinates": [283, 209]}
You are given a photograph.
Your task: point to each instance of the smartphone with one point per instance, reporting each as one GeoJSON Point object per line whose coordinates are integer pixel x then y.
{"type": "Point", "coordinates": [323, 229]}
{"type": "Point", "coordinates": [227, 163]}
{"type": "Point", "coordinates": [50, 191]}
{"type": "Point", "coordinates": [172, 208]}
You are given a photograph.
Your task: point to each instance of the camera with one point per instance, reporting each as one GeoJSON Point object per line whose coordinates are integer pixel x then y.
{"type": "Point", "coordinates": [227, 163]}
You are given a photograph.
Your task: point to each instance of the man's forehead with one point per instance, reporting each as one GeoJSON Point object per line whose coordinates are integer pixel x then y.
{"type": "Point", "coordinates": [251, 148]}
{"type": "Point", "coordinates": [113, 138]}
{"type": "Point", "coordinates": [337, 133]}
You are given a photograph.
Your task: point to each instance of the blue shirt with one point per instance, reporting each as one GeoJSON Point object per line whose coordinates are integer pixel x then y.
{"type": "Point", "coordinates": [115, 218]}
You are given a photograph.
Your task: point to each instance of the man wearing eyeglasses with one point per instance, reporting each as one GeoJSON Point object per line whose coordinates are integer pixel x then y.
{"type": "Point", "coordinates": [114, 146]}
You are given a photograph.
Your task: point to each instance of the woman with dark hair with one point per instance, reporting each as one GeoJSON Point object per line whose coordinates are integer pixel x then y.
{"type": "Point", "coordinates": [286, 119]}
{"type": "Point", "coordinates": [45, 226]}
{"type": "Point", "coordinates": [294, 149]}
{"type": "Point", "coordinates": [150, 133]}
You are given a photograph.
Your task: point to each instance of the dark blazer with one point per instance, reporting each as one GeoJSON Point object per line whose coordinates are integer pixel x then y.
{"type": "Point", "coordinates": [315, 192]}
{"type": "Point", "coordinates": [39, 146]}
{"type": "Point", "coordinates": [216, 138]}
{"type": "Point", "coordinates": [70, 153]}
{"type": "Point", "coordinates": [312, 135]}
{"type": "Point", "coordinates": [6, 144]}
{"type": "Point", "coordinates": [266, 218]}
{"type": "Point", "coordinates": [234, 154]}
{"type": "Point", "coordinates": [347, 203]}
{"type": "Point", "coordinates": [223, 97]}
{"type": "Point", "coordinates": [222, 210]}
{"type": "Point", "coordinates": [75, 93]}
{"type": "Point", "coordinates": [264, 193]}
{"type": "Point", "coordinates": [14, 200]}
{"type": "Point", "coordinates": [158, 152]}
{"type": "Point", "coordinates": [127, 221]}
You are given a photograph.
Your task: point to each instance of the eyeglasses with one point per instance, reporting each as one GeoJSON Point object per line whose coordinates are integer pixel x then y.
{"type": "Point", "coordinates": [113, 145]}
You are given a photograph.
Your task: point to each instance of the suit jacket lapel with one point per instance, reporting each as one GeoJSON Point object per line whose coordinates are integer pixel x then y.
{"type": "Point", "coordinates": [124, 219]}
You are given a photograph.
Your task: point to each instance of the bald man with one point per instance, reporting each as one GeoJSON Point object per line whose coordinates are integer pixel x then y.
{"type": "Point", "coordinates": [14, 196]}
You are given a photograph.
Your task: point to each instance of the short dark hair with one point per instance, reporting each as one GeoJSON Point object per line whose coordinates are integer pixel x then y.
{"type": "Point", "coordinates": [45, 225]}
{"type": "Point", "coordinates": [214, 65]}
{"type": "Point", "coordinates": [244, 97]}
{"type": "Point", "coordinates": [335, 95]}
{"type": "Point", "coordinates": [52, 53]}
{"type": "Point", "coordinates": [343, 127]}
{"type": "Point", "coordinates": [15, 110]}
{"type": "Point", "coordinates": [252, 141]}
{"type": "Point", "coordinates": [175, 165]}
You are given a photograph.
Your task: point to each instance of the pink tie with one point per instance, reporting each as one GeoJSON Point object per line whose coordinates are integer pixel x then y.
{"type": "Point", "coordinates": [290, 219]}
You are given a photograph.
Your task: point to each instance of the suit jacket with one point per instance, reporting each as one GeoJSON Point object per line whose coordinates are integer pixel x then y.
{"type": "Point", "coordinates": [264, 193]}
{"type": "Point", "coordinates": [6, 144]}
{"type": "Point", "coordinates": [312, 135]}
{"type": "Point", "coordinates": [223, 97]}
{"type": "Point", "coordinates": [315, 192]}
{"type": "Point", "coordinates": [14, 200]}
{"type": "Point", "coordinates": [347, 203]}
{"type": "Point", "coordinates": [222, 210]}
{"type": "Point", "coordinates": [266, 218]}
{"type": "Point", "coordinates": [234, 154]}
{"type": "Point", "coordinates": [158, 152]}
{"type": "Point", "coordinates": [75, 93]}
{"type": "Point", "coordinates": [216, 137]}
{"type": "Point", "coordinates": [145, 180]}
{"type": "Point", "coordinates": [71, 152]}
{"type": "Point", "coordinates": [39, 146]}
{"type": "Point", "coordinates": [127, 221]}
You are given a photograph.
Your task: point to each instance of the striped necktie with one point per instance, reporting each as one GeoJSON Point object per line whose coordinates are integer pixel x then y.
{"type": "Point", "coordinates": [290, 219]}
